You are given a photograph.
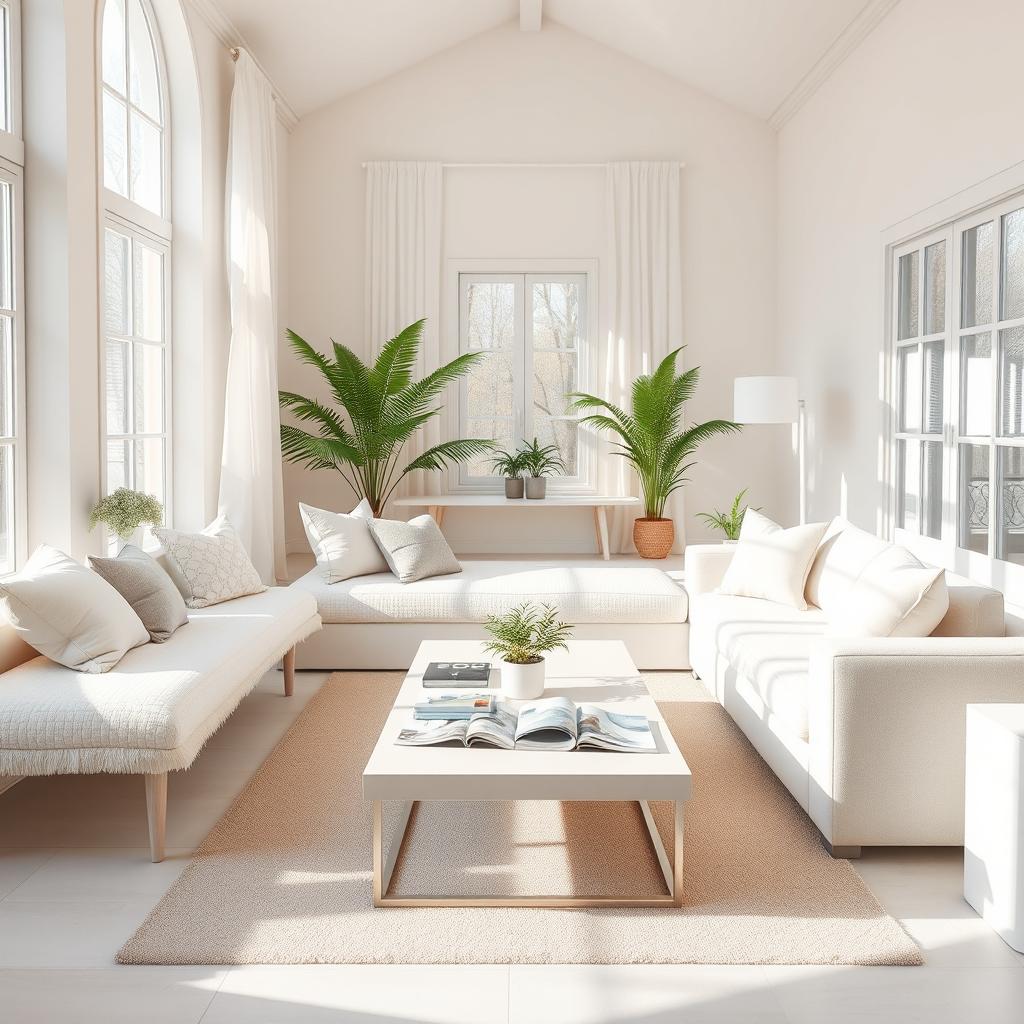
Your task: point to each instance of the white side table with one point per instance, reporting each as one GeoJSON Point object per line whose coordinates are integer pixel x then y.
{"type": "Point", "coordinates": [994, 818]}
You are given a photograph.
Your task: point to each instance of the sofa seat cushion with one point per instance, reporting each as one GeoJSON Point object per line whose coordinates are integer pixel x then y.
{"type": "Point", "coordinates": [158, 695]}
{"type": "Point", "coordinates": [582, 594]}
{"type": "Point", "coordinates": [769, 644]}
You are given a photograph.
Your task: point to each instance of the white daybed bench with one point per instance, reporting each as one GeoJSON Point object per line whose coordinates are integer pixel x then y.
{"type": "Point", "coordinates": [155, 709]}
{"type": "Point", "coordinates": [376, 622]}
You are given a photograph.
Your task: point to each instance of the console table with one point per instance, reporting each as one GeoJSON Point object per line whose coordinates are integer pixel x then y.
{"type": "Point", "coordinates": [438, 504]}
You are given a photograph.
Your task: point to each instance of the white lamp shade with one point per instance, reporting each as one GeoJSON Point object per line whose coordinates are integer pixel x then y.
{"type": "Point", "coordinates": [766, 400]}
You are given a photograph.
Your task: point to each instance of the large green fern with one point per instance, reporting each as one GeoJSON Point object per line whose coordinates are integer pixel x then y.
{"type": "Point", "coordinates": [652, 437]}
{"type": "Point", "coordinates": [526, 633]}
{"type": "Point", "coordinates": [379, 407]}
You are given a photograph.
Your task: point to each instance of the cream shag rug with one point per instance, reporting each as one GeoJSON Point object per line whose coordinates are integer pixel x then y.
{"type": "Point", "coordinates": [285, 876]}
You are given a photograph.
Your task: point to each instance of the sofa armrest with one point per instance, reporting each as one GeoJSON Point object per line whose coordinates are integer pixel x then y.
{"type": "Point", "coordinates": [886, 732]}
{"type": "Point", "coordinates": [704, 566]}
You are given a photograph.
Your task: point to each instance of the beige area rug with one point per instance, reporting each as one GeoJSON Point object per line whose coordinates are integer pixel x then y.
{"type": "Point", "coordinates": [285, 875]}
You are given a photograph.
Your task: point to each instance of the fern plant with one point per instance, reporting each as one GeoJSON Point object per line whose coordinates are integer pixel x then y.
{"type": "Point", "coordinates": [652, 437]}
{"type": "Point", "coordinates": [540, 460]}
{"type": "Point", "coordinates": [731, 522]}
{"type": "Point", "coordinates": [123, 511]}
{"type": "Point", "coordinates": [507, 464]}
{"type": "Point", "coordinates": [378, 408]}
{"type": "Point", "coordinates": [525, 634]}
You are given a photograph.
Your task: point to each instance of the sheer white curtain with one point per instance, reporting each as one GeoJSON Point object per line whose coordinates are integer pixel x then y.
{"type": "Point", "coordinates": [403, 277]}
{"type": "Point", "coordinates": [250, 478]}
{"type": "Point", "coordinates": [643, 286]}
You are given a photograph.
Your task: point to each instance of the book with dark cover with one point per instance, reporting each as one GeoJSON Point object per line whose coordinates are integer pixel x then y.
{"type": "Point", "coordinates": [457, 673]}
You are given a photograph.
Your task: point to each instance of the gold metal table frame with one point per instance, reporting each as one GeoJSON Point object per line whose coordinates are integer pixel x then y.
{"type": "Point", "coordinates": [384, 865]}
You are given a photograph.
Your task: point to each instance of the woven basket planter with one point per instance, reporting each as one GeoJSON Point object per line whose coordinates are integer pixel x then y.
{"type": "Point", "coordinates": [653, 537]}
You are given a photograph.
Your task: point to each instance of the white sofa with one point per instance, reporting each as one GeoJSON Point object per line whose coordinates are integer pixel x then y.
{"type": "Point", "coordinates": [155, 709]}
{"type": "Point", "coordinates": [866, 733]}
{"type": "Point", "coordinates": [376, 622]}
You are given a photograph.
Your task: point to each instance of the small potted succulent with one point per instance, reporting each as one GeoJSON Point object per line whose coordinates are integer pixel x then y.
{"type": "Point", "coordinates": [510, 466]}
{"type": "Point", "coordinates": [124, 511]}
{"type": "Point", "coordinates": [731, 522]}
{"type": "Point", "coordinates": [539, 462]}
{"type": "Point", "coordinates": [520, 638]}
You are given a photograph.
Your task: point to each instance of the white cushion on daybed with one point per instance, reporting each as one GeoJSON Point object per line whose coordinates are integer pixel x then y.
{"type": "Point", "coordinates": [161, 701]}
{"type": "Point", "coordinates": [582, 594]}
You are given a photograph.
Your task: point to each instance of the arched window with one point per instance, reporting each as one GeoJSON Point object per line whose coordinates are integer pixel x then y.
{"type": "Point", "coordinates": [137, 240]}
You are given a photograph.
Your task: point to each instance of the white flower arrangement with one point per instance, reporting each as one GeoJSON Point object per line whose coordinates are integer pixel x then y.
{"type": "Point", "coordinates": [125, 511]}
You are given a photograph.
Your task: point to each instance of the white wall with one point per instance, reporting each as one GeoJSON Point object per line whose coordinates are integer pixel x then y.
{"type": "Point", "coordinates": [545, 97]}
{"type": "Point", "coordinates": [927, 106]}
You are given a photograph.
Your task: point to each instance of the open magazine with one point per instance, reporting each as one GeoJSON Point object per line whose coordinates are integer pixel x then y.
{"type": "Point", "coordinates": [552, 723]}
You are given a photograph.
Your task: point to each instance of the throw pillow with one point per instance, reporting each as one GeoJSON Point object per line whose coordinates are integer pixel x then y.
{"type": "Point", "coordinates": [342, 543]}
{"type": "Point", "coordinates": [841, 558]}
{"type": "Point", "coordinates": [895, 595]}
{"type": "Point", "coordinates": [772, 563]}
{"type": "Point", "coordinates": [415, 550]}
{"type": "Point", "coordinates": [147, 588]}
{"type": "Point", "coordinates": [211, 566]}
{"type": "Point", "coordinates": [69, 613]}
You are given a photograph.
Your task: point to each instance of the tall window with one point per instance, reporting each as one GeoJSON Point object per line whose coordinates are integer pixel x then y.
{"type": "Point", "coordinates": [958, 333]}
{"type": "Point", "coordinates": [534, 329]}
{"type": "Point", "coordinates": [12, 338]}
{"type": "Point", "coordinates": [136, 264]}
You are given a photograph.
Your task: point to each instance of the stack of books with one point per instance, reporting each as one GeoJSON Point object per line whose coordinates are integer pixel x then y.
{"type": "Point", "coordinates": [450, 707]}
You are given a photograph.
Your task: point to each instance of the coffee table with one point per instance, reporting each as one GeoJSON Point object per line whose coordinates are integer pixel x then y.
{"type": "Point", "coordinates": [595, 671]}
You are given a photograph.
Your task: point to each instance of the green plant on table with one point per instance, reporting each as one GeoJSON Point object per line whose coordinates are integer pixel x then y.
{"type": "Point", "coordinates": [507, 464]}
{"type": "Point", "coordinates": [125, 510]}
{"type": "Point", "coordinates": [731, 522]}
{"type": "Point", "coordinates": [525, 634]}
{"type": "Point", "coordinates": [538, 460]}
{"type": "Point", "coordinates": [377, 409]}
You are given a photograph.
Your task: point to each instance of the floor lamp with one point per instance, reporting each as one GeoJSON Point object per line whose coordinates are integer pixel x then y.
{"type": "Point", "coordinates": [773, 400]}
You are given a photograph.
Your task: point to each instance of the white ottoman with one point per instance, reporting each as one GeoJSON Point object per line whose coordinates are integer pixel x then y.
{"type": "Point", "coordinates": [994, 818]}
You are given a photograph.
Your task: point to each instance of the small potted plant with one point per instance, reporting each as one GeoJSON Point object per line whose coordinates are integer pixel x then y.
{"type": "Point", "coordinates": [124, 511]}
{"type": "Point", "coordinates": [510, 466]}
{"type": "Point", "coordinates": [520, 638]}
{"type": "Point", "coordinates": [540, 462]}
{"type": "Point", "coordinates": [731, 522]}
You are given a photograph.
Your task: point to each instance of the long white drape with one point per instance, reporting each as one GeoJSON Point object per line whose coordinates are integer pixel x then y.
{"type": "Point", "coordinates": [643, 285]}
{"type": "Point", "coordinates": [250, 479]}
{"type": "Point", "coordinates": [403, 277]}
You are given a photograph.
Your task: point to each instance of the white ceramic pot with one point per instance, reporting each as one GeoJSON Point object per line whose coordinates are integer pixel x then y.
{"type": "Point", "coordinates": [522, 682]}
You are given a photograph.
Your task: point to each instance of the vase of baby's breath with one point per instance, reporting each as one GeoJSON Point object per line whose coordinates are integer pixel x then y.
{"type": "Point", "coordinates": [125, 512]}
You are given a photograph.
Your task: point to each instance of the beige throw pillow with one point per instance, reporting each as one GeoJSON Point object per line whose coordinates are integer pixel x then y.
{"type": "Point", "coordinates": [770, 562]}
{"type": "Point", "coordinates": [69, 613]}
{"type": "Point", "coordinates": [415, 550]}
{"type": "Point", "coordinates": [343, 544]}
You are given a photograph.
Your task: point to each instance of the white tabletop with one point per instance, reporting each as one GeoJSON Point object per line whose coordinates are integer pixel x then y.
{"type": "Point", "coordinates": [492, 500]}
{"type": "Point", "coordinates": [595, 671]}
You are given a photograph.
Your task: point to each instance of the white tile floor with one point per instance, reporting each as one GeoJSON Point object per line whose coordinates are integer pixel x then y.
{"type": "Point", "coordinates": [75, 881]}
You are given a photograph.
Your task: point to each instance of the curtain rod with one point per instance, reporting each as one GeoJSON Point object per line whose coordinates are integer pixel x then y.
{"type": "Point", "coordinates": [498, 165]}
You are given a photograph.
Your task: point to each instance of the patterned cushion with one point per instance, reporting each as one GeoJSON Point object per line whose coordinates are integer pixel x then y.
{"type": "Point", "coordinates": [147, 588]}
{"type": "Point", "coordinates": [414, 550]}
{"type": "Point", "coordinates": [211, 566]}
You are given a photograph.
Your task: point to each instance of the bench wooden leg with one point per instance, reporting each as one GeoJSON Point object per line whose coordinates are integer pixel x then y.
{"type": "Point", "coordinates": [289, 672]}
{"type": "Point", "coordinates": [156, 812]}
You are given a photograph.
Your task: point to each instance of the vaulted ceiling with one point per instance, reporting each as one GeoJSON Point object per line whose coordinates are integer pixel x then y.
{"type": "Point", "coordinates": [758, 55]}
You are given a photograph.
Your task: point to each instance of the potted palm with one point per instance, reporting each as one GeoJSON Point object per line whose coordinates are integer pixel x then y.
{"type": "Point", "coordinates": [377, 408]}
{"type": "Point", "coordinates": [520, 638]}
{"type": "Point", "coordinates": [539, 462]}
{"type": "Point", "coordinates": [653, 440]}
{"type": "Point", "coordinates": [510, 466]}
{"type": "Point", "coordinates": [731, 522]}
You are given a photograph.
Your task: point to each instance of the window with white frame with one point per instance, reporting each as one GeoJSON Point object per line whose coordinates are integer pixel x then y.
{"type": "Point", "coordinates": [136, 253]}
{"type": "Point", "coordinates": [533, 328]}
{"type": "Point", "coordinates": [958, 337]}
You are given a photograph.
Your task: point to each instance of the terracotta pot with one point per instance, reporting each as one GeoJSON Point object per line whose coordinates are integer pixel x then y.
{"type": "Point", "coordinates": [653, 537]}
{"type": "Point", "coordinates": [513, 487]}
{"type": "Point", "coordinates": [522, 681]}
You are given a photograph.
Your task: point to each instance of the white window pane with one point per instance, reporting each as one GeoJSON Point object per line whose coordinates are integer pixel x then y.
{"type": "Point", "coordinates": [908, 361]}
{"type": "Point", "coordinates": [148, 388]}
{"type": "Point", "coordinates": [935, 288]}
{"type": "Point", "coordinates": [6, 246]}
{"type": "Point", "coordinates": [1013, 266]}
{"type": "Point", "coordinates": [1011, 382]}
{"type": "Point", "coordinates": [908, 292]}
{"type": "Point", "coordinates": [554, 376]}
{"type": "Point", "coordinates": [118, 465]}
{"type": "Point", "coordinates": [117, 308]}
{"type": "Point", "coordinates": [7, 546]}
{"type": "Point", "coordinates": [973, 500]}
{"type": "Point", "coordinates": [6, 376]}
{"type": "Point", "coordinates": [490, 309]}
{"type": "Point", "coordinates": [146, 165]}
{"type": "Point", "coordinates": [145, 76]}
{"type": "Point", "coordinates": [908, 485]}
{"type": "Point", "coordinates": [931, 489]}
{"type": "Point", "coordinates": [113, 45]}
{"type": "Point", "coordinates": [489, 387]}
{"type": "Point", "coordinates": [564, 435]}
{"type": "Point", "coordinates": [1011, 505]}
{"type": "Point", "coordinates": [500, 431]}
{"type": "Point", "coordinates": [556, 308]}
{"type": "Point", "coordinates": [977, 276]}
{"type": "Point", "coordinates": [149, 467]}
{"type": "Point", "coordinates": [148, 292]}
{"type": "Point", "coordinates": [932, 371]}
{"type": "Point", "coordinates": [118, 374]}
{"type": "Point", "coordinates": [115, 144]}
{"type": "Point", "coordinates": [976, 385]}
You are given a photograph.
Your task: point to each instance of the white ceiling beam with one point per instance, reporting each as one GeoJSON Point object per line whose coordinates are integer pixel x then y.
{"type": "Point", "coordinates": [531, 14]}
